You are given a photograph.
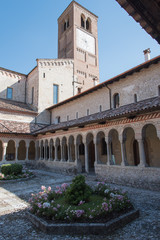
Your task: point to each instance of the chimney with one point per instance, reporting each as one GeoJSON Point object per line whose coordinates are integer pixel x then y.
{"type": "Point", "coordinates": [147, 54]}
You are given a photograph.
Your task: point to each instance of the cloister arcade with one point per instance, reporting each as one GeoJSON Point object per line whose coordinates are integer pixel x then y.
{"type": "Point", "coordinates": [127, 146]}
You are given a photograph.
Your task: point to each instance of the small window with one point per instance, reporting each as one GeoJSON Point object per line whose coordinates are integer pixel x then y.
{"type": "Point", "coordinates": [76, 115]}
{"type": "Point", "coordinates": [67, 23]}
{"type": "Point", "coordinates": [65, 26]}
{"type": "Point", "coordinates": [32, 95]}
{"type": "Point", "coordinates": [55, 94]}
{"type": "Point", "coordinates": [116, 100]}
{"type": "Point", "coordinates": [9, 93]}
{"type": "Point", "coordinates": [87, 112]}
{"type": "Point", "coordinates": [100, 108]}
{"type": "Point", "coordinates": [44, 75]}
{"type": "Point", "coordinates": [58, 120]}
{"type": "Point", "coordinates": [67, 118]}
{"type": "Point", "coordinates": [159, 91]}
{"type": "Point", "coordinates": [78, 90]}
{"type": "Point", "coordinates": [135, 98]}
{"type": "Point", "coordinates": [82, 21]}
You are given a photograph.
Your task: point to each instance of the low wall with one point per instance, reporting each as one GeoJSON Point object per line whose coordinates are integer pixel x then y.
{"type": "Point", "coordinates": [140, 177]}
{"type": "Point", "coordinates": [55, 166]}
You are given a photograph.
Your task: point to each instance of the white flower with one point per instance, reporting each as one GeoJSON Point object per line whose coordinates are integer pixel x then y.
{"type": "Point", "coordinates": [106, 191]}
{"type": "Point", "coordinates": [112, 195]}
{"type": "Point", "coordinates": [46, 205]}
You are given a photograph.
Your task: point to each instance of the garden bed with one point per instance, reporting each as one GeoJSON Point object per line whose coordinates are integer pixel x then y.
{"type": "Point", "coordinates": [14, 172]}
{"type": "Point", "coordinates": [79, 203]}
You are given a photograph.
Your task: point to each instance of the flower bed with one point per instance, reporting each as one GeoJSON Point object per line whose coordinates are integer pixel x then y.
{"type": "Point", "coordinates": [98, 204]}
{"type": "Point", "coordinates": [8, 174]}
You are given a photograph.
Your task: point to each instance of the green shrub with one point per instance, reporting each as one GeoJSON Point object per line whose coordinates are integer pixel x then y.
{"type": "Point", "coordinates": [78, 191]}
{"type": "Point", "coordinates": [6, 169]}
{"type": "Point", "coordinates": [16, 168]}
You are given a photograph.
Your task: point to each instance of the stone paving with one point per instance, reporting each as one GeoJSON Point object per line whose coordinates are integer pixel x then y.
{"type": "Point", "coordinates": [14, 201]}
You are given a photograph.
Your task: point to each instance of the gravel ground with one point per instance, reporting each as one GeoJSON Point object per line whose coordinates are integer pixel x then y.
{"type": "Point", "coordinates": [15, 226]}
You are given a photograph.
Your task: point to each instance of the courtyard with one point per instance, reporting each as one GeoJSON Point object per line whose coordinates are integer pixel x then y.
{"type": "Point", "coordinates": [14, 198]}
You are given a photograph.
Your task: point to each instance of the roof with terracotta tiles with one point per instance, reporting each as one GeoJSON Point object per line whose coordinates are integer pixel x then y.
{"type": "Point", "coordinates": [130, 110]}
{"type": "Point", "coordinates": [19, 127]}
{"type": "Point", "coordinates": [14, 106]}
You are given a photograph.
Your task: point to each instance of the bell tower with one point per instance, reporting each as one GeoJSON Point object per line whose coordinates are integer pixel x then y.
{"type": "Point", "coordinates": [78, 39]}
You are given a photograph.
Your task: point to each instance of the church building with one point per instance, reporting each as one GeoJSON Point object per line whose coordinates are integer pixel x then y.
{"type": "Point", "coordinates": [60, 117]}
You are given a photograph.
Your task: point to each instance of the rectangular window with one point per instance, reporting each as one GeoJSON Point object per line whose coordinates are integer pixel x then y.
{"type": "Point", "coordinates": [44, 75]}
{"type": "Point", "coordinates": [87, 112]}
{"type": "Point", "coordinates": [32, 95]}
{"type": "Point", "coordinates": [55, 94]}
{"type": "Point", "coordinates": [76, 115]}
{"type": "Point", "coordinates": [9, 93]}
{"type": "Point", "coordinates": [67, 117]}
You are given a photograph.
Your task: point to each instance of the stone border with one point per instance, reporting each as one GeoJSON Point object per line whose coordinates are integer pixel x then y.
{"type": "Point", "coordinates": [83, 228]}
{"type": "Point", "coordinates": [17, 180]}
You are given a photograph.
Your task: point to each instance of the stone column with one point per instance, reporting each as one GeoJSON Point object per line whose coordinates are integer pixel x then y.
{"type": "Point", "coordinates": [56, 153]}
{"type": "Point", "coordinates": [50, 151]}
{"type": "Point", "coordinates": [108, 151]}
{"type": "Point", "coordinates": [16, 151]}
{"type": "Point", "coordinates": [68, 148]}
{"type": "Point", "coordinates": [76, 153]}
{"type": "Point", "coordinates": [141, 153]}
{"type": "Point", "coordinates": [4, 152]}
{"type": "Point", "coordinates": [96, 151]}
{"type": "Point", "coordinates": [122, 153]}
{"type": "Point", "coordinates": [27, 151]}
{"type": "Point", "coordinates": [61, 152]}
{"type": "Point", "coordinates": [86, 158]}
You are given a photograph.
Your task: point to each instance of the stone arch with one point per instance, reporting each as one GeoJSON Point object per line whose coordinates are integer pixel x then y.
{"type": "Point", "coordinates": [151, 145]}
{"type": "Point", "coordinates": [22, 150]}
{"type": "Point", "coordinates": [71, 148]}
{"type": "Point", "coordinates": [10, 151]}
{"type": "Point", "coordinates": [90, 151]}
{"type": "Point", "coordinates": [101, 148]}
{"type": "Point", "coordinates": [31, 151]}
{"type": "Point", "coordinates": [131, 147]}
{"type": "Point", "coordinates": [115, 147]}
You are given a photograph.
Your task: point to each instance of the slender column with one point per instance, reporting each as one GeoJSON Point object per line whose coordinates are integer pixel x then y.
{"type": "Point", "coordinates": [86, 158]}
{"type": "Point", "coordinates": [56, 153]}
{"type": "Point", "coordinates": [108, 151]}
{"type": "Point", "coordinates": [68, 148]}
{"type": "Point", "coordinates": [141, 153]}
{"type": "Point", "coordinates": [27, 151]}
{"type": "Point", "coordinates": [76, 152]}
{"type": "Point", "coordinates": [122, 153]}
{"type": "Point", "coordinates": [16, 151]}
{"type": "Point", "coordinates": [4, 152]}
{"type": "Point", "coordinates": [96, 151]}
{"type": "Point", "coordinates": [50, 151]}
{"type": "Point", "coordinates": [61, 153]}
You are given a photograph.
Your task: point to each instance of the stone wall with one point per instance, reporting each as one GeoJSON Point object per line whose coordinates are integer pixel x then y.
{"type": "Point", "coordinates": [147, 178]}
{"type": "Point", "coordinates": [144, 83]}
{"type": "Point", "coordinates": [13, 80]}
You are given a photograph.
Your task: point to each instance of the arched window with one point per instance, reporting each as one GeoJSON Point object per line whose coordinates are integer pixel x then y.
{"type": "Point", "coordinates": [65, 26]}
{"type": "Point", "coordinates": [88, 24]}
{"type": "Point", "coordinates": [135, 98]}
{"type": "Point", "coordinates": [82, 21]}
{"type": "Point", "coordinates": [116, 100]}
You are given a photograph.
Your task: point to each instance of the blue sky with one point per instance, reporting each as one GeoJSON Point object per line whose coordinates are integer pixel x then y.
{"type": "Point", "coordinates": [29, 31]}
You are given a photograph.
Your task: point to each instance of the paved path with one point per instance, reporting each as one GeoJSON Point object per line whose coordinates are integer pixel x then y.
{"type": "Point", "coordinates": [15, 226]}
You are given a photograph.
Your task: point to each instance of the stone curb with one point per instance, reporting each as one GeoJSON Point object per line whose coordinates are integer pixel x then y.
{"type": "Point", "coordinates": [17, 180]}
{"type": "Point", "coordinates": [84, 228]}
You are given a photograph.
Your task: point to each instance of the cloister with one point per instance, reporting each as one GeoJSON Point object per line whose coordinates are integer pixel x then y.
{"type": "Point", "coordinates": [125, 145]}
